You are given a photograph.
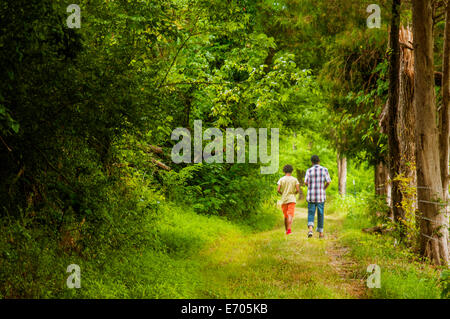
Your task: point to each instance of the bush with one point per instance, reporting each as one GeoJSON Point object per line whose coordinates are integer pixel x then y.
{"type": "Point", "coordinates": [233, 191]}
{"type": "Point", "coordinates": [445, 281]}
{"type": "Point", "coordinates": [41, 243]}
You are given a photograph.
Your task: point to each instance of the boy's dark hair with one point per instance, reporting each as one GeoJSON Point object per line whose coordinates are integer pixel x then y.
{"type": "Point", "coordinates": [315, 159]}
{"type": "Point", "coordinates": [288, 169]}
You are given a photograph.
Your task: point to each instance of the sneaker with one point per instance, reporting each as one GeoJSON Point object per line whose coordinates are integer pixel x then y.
{"type": "Point", "coordinates": [310, 233]}
{"type": "Point", "coordinates": [288, 232]}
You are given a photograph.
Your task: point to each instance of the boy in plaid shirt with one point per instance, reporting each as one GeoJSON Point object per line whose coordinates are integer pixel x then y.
{"type": "Point", "coordinates": [317, 179]}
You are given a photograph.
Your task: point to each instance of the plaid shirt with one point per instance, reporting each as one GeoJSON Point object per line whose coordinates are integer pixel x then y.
{"type": "Point", "coordinates": [315, 178]}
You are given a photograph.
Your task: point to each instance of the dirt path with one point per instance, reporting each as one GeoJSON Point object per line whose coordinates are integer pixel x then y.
{"type": "Point", "coordinates": [273, 265]}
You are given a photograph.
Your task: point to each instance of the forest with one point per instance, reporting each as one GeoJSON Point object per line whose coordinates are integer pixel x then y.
{"type": "Point", "coordinates": [97, 96]}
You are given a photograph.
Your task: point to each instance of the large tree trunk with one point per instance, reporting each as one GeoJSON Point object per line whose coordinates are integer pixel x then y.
{"type": "Point", "coordinates": [444, 114]}
{"type": "Point", "coordinates": [393, 102]}
{"type": "Point", "coordinates": [406, 117]}
{"type": "Point", "coordinates": [342, 174]}
{"type": "Point", "coordinates": [406, 130]}
{"type": "Point", "coordinates": [433, 239]}
{"type": "Point", "coordinates": [444, 117]}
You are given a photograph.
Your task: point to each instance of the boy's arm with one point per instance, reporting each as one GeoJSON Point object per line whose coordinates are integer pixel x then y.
{"type": "Point", "coordinates": [279, 190]}
{"type": "Point", "coordinates": [298, 188]}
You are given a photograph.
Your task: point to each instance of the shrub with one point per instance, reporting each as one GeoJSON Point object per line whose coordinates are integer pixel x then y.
{"type": "Point", "coordinates": [233, 191]}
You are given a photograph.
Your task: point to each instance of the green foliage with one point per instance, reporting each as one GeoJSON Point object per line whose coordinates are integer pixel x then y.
{"type": "Point", "coordinates": [356, 80]}
{"type": "Point", "coordinates": [218, 189]}
{"type": "Point", "coordinates": [408, 224]}
{"type": "Point", "coordinates": [37, 247]}
{"type": "Point", "coordinates": [445, 280]}
{"type": "Point", "coordinates": [77, 116]}
{"type": "Point", "coordinates": [83, 110]}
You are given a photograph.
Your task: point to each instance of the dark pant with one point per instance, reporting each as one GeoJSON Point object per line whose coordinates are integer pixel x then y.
{"type": "Point", "coordinates": [312, 212]}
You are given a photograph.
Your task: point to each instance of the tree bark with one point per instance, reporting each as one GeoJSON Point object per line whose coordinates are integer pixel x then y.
{"type": "Point", "coordinates": [156, 149]}
{"type": "Point", "coordinates": [406, 131]}
{"type": "Point", "coordinates": [433, 239]}
{"type": "Point", "coordinates": [160, 164]}
{"type": "Point", "coordinates": [394, 144]}
{"type": "Point", "coordinates": [444, 119]}
{"type": "Point", "coordinates": [342, 174]}
{"type": "Point", "coordinates": [382, 178]}
{"type": "Point", "coordinates": [300, 177]}
{"type": "Point", "coordinates": [382, 183]}
{"type": "Point", "coordinates": [444, 114]}
{"type": "Point", "coordinates": [407, 119]}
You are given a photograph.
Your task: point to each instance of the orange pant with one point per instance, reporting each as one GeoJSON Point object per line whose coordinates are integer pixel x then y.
{"type": "Point", "coordinates": [288, 209]}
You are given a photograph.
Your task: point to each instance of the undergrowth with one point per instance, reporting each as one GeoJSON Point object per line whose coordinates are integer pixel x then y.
{"type": "Point", "coordinates": [403, 274]}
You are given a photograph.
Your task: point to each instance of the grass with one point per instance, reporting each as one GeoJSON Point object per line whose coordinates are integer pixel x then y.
{"type": "Point", "coordinates": [198, 256]}
{"type": "Point", "coordinates": [170, 269]}
{"type": "Point", "coordinates": [403, 274]}
{"type": "Point", "coordinates": [272, 265]}
{"type": "Point", "coordinates": [210, 257]}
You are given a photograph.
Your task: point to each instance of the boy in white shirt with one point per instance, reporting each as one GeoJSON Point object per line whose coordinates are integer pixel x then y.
{"type": "Point", "coordinates": [288, 187]}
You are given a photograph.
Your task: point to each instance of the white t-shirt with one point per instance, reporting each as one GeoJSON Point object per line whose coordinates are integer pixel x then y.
{"type": "Point", "coordinates": [288, 189]}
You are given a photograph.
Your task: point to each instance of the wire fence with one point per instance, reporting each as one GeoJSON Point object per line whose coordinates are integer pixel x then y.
{"type": "Point", "coordinates": [444, 204]}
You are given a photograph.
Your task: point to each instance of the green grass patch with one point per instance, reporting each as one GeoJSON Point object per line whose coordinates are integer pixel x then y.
{"type": "Point", "coordinates": [403, 274]}
{"type": "Point", "coordinates": [168, 269]}
{"type": "Point", "coordinates": [270, 264]}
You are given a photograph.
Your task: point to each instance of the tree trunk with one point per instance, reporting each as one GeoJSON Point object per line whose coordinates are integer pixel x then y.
{"type": "Point", "coordinates": [342, 174]}
{"type": "Point", "coordinates": [444, 114]}
{"type": "Point", "coordinates": [406, 132]}
{"type": "Point", "coordinates": [382, 183]}
{"type": "Point", "coordinates": [433, 242]}
{"type": "Point", "coordinates": [294, 147]}
{"type": "Point", "coordinates": [394, 144]}
{"type": "Point", "coordinates": [444, 118]}
{"type": "Point", "coordinates": [301, 178]}
{"type": "Point", "coordinates": [382, 178]}
{"type": "Point", "coordinates": [407, 119]}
